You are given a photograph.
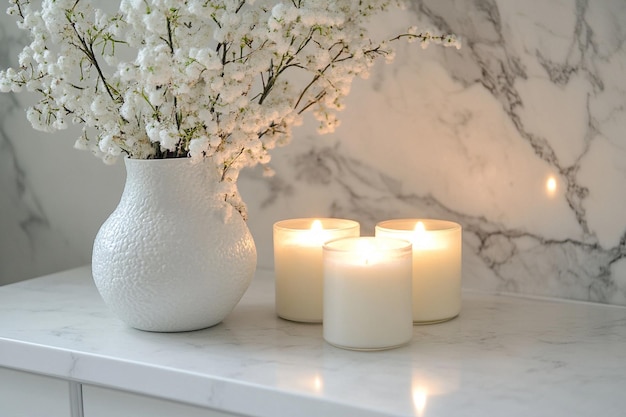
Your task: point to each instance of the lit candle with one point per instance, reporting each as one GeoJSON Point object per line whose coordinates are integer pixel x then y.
{"type": "Point", "coordinates": [298, 264]}
{"type": "Point", "coordinates": [436, 265]}
{"type": "Point", "coordinates": [367, 293]}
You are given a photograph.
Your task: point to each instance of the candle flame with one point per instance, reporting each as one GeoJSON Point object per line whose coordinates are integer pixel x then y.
{"type": "Point", "coordinates": [316, 226]}
{"type": "Point", "coordinates": [421, 239]}
{"type": "Point", "coordinates": [366, 251]}
{"type": "Point", "coordinates": [317, 235]}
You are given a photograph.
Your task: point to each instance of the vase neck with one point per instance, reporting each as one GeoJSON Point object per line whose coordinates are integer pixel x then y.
{"type": "Point", "coordinates": [176, 176]}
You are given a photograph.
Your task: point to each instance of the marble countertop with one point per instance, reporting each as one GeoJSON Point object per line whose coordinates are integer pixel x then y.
{"type": "Point", "coordinates": [502, 356]}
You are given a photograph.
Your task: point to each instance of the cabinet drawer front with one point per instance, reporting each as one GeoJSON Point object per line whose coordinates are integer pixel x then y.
{"type": "Point", "coordinates": [23, 394]}
{"type": "Point", "coordinates": [104, 402]}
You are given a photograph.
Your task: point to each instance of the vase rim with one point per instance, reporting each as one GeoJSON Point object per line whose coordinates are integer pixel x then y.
{"type": "Point", "coordinates": [150, 160]}
{"type": "Point", "coordinates": [184, 166]}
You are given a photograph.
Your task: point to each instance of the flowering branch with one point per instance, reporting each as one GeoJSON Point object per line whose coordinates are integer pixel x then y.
{"type": "Point", "coordinates": [221, 80]}
{"type": "Point", "coordinates": [86, 47]}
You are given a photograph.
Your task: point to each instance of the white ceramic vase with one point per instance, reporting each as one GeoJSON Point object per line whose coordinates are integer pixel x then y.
{"type": "Point", "coordinates": [173, 256]}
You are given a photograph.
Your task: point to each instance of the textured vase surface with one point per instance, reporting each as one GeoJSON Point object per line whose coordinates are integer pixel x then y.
{"type": "Point", "coordinates": [173, 256]}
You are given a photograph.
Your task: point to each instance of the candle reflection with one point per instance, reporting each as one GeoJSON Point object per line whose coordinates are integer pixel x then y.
{"type": "Point", "coordinates": [318, 384]}
{"type": "Point", "coordinates": [420, 398]}
{"type": "Point", "coordinates": [307, 382]}
{"type": "Point", "coordinates": [429, 386]}
{"type": "Point", "coordinates": [551, 186]}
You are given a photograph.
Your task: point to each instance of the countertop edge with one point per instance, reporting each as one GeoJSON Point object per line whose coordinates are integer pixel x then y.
{"type": "Point", "coordinates": [181, 386]}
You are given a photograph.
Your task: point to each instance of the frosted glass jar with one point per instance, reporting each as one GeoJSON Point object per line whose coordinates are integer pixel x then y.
{"type": "Point", "coordinates": [367, 293]}
{"type": "Point", "coordinates": [298, 264]}
{"type": "Point", "coordinates": [437, 265]}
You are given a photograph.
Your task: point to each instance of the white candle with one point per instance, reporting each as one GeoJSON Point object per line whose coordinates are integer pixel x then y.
{"type": "Point", "coordinates": [367, 293]}
{"type": "Point", "coordinates": [436, 265]}
{"type": "Point", "coordinates": [298, 264]}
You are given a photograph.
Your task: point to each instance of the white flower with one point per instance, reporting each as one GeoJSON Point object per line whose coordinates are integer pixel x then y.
{"type": "Point", "coordinates": [198, 147]}
{"type": "Point", "coordinates": [154, 22]}
{"type": "Point", "coordinates": [153, 130]}
{"type": "Point", "coordinates": [168, 139]}
{"type": "Point", "coordinates": [59, 124]}
{"type": "Point", "coordinates": [81, 144]}
{"type": "Point", "coordinates": [99, 105]}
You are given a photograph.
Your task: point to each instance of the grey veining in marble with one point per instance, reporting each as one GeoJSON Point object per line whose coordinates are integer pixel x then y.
{"type": "Point", "coordinates": [536, 94]}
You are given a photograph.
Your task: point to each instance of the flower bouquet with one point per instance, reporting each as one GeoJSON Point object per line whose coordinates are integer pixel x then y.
{"type": "Point", "coordinates": [219, 79]}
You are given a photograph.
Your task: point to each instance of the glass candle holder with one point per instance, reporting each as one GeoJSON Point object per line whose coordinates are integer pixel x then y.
{"type": "Point", "coordinates": [367, 293]}
{"type": "Point", "coordinates": [298, 264]}
{"type": "Point", "coordinates": [436, 265]}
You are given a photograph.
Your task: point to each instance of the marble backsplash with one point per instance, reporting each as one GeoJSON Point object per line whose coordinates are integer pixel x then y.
{"type": "Point", "coordinates": [518, 136]}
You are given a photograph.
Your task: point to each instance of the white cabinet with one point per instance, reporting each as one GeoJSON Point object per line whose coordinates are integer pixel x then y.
{"type": "Point", "coordinates": [28, 395]}
{"type": "Point", "coordinates": [103, 402]}
{"type": "Point", "coordinates": [23, 394]}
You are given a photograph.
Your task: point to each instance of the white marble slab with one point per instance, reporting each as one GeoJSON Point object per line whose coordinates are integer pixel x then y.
{"type": "Point", "coordinates": [503, 356]}
{"type": "Point", "coordinates": [536, 92]}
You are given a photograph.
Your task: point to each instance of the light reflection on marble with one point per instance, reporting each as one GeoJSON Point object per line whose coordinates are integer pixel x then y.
{"type": "Point", "coordinates": [503, 356]}
{"type": "Point", "coordinates": [536, 92]}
